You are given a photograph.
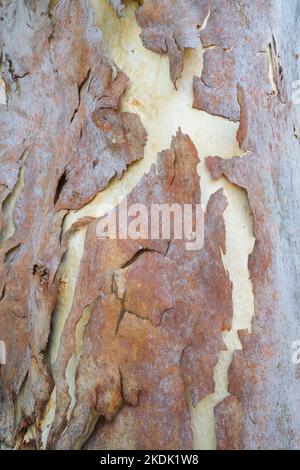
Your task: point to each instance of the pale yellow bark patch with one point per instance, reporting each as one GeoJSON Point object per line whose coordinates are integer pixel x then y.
{"type": "Point", "coordinates": [2, 92]}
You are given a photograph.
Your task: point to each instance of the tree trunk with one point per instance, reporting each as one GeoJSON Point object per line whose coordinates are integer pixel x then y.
{"type": "Point", "coordinates": [140, 343]}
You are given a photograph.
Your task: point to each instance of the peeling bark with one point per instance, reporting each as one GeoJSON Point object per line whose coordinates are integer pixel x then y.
{"type": "Point", "coordinates": [185, 306]}
{"type": "Point", "coordinates": [126, 353]}
{"type": "Point", "coordinates": [39, 119]}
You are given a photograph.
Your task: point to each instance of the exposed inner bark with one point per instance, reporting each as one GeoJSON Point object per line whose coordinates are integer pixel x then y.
{"type": "Point", "coordinates": [140, 344]}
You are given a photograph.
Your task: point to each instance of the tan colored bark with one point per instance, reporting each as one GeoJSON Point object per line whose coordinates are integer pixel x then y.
{"type": "Point", "coordinates": [141, 344]}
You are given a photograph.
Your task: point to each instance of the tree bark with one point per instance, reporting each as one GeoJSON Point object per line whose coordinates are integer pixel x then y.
{"type": "Point", "coordinates": [140, 343]}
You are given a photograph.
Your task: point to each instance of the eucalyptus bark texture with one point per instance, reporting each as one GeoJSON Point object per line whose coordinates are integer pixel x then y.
{"type": "Point", "coordinates": [136, 351]}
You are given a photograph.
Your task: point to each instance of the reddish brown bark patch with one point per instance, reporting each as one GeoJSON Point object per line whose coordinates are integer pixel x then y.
{"type": "Point", "coordinates": [56, 79]}
{"type": "Point", "coordinates": [262, 378]}
{"type": "Point", "coordinates": [172, 307]}
{"type": "Point", "coordinates": [170, 27]}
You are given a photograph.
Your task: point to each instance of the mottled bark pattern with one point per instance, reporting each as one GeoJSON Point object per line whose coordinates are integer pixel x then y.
{"type": "Point", "coordinates": [155, 311]}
